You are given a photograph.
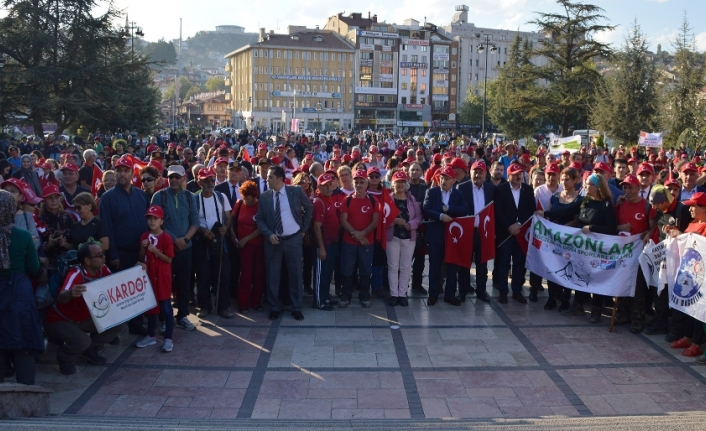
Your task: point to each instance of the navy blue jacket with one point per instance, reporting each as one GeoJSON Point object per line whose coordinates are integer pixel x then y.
{"type": "Point", "coordinates": [432, 207]}
{"type": "Point", "coordinates": [124, 218]}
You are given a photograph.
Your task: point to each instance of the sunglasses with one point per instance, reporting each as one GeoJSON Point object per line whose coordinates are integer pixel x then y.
{"type": "Point", "coordinates": [174, 177]}
{"type": "Point", "coordinates": [374, 176]}
{"type": "Point", "coordinates": [147, 180]}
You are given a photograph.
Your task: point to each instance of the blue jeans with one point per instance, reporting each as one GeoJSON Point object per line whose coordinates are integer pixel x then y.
{"type": "Point", "coordinates": [362, 255]}
{"type": "Point", "coordinates": [165, 306]}
{"type": "Point", "coordinates": [323, 273]}
{"type": "Point", "coordinates": [510, 251]}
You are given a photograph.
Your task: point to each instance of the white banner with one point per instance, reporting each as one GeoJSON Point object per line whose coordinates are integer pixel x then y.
{"type": "Point", "coordinates": [119, 297]}
{"type": "Point", "coordinates": [557, 145]}
{"type": "Point", "coordinates": [650, 139]}
{"type": "Point", "coordinates": [651, 260]}
{"type": "Point", "coordinates": [595, 263]}
{"type": "Point", "coordinates": [685, 292]}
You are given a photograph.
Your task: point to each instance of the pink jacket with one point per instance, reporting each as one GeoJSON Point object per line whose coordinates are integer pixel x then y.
{"type": "Point", "coordinates": [415, 216]}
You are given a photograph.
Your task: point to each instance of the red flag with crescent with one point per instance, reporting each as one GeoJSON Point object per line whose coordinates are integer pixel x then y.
{"type": "Point", "coordinates": [388, 212]}
{"type": "Point", "coordinates": [458, 241]}
{"type": "Point", "coordinates": [486, 230]}
{"type": "Point", "coordinates": [97, 180]}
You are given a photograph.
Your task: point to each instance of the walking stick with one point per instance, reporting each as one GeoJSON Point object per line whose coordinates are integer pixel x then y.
{"type": "Point", "coordinates": [615, 311]}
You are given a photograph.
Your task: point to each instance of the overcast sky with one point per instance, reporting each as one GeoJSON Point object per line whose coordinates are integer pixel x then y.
{"type": "Point", "coordinates": [659, 19]}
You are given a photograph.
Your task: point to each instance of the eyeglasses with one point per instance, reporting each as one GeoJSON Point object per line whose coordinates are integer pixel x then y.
{"type": "Point", "coordinates": [175, 177]}
{"type": "Point", "coordinates": [147, 180]}
{"type": "Point", "coordinates": [374, 176]}
{"type": "Point", "coordinates": [101, 256]}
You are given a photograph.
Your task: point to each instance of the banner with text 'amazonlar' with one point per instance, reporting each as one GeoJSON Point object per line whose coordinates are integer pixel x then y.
{"type": "Point", "coordinates": [594, 263]}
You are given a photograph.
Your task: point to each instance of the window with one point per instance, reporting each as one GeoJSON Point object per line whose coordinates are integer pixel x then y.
{"type": "Point", "coordinates": [386, 84]}
{"type": "Point", "coordinates": [453, 64]}
{"type": "Point", "coordinates": [404, 47]}
{"type": "Point", "coordinates": [270, 55]}
{"type": "Point", "coordinates": [290, 54]}
{"type": "Point", "coordinates": [404, 85]}
{"type": "Point", "coordinates": [404, 100]}
{"type": "Point", "coordinates": [470, 48]}
{"type": "Point", "coordinates": [424, 59]}
{"type": "Point", "coordinates": [424, 72]}
{"type": "Point", "coordinates": [386, 57]}
{"type": "Point", "coordinates": [403, 72]}
{"type": "Point", "coordinates": [453, 51]}
{"type": "Point", "coordinates": [404, 57]}
{"type": "Point", "coordinates": [277, 87]}
{"type": "Point", "coordinates": [254, 52]}
{"type": "Point", "coordinates": [314, 55]}
{"type": "Point", "coordinates": [366, 55]}
{"type": "Point", "coordinates": [424, 48]}
{"type": "Point", "coordinates": [296, 55]}
{"type": "Point", "coordinates": [415, 58]}
{"type": "Point", "coordinates": [278, 53]}
{"type": "Point", "coordinates": [296, 71]}
{"type": "Point", "coordinates": [271, 70]}
{"type": "Point", "coordinates": [453, 104]}
{"type": "Point", "coordinates": [453, 91]}
{"type": "Point", "coordinates": [254, 70]}
{"type": "Point", "coordinates": [423, 100]}
{"type": "Point", "coordinates": [453, 78]}
{"type": "Point", "coordinates": [422, 88]}
{"type": "Point", "coordinates": [386, 70]}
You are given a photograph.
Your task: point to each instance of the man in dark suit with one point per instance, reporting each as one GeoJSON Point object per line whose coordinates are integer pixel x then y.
{"type": "Point", "coordinates": [689, 174]}
{"type": "Point", "coordinates": [477, 193]}
{"type": "Point", "coordinates": [283, 217]}
{"type": "Point", "coordinates": [231, 190]}
{"type": "Point", "coordinates": [441, 204]}
{"type": "Point", "coordinates": [514, 205]}
{"type": "Point", "coordinates": [261, 180]}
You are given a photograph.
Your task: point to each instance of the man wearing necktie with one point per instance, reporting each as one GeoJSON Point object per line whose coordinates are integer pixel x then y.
{"type": "Point", "coordinates": [261, 180]}
{"type": "Point", "coordinates": [283, 217]}
{"type": "Point", "coordinates": [230, 189]}
{"type": "Point", "coordinates": [645, 173]}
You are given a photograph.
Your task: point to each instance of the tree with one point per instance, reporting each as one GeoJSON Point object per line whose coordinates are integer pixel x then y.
{"type": "Point", "coordinates": [161, 52]}
{"type": "Point", "coordinates": [514, 85]}
{"type": "Point", "coordinates": [65, 65]}
{"type": "Point", "coordinates": [471, 111]}
{"type": "Point", "coordinates": [193, 90]}
{"type": "Point", "coordinates": [215, 84]}
{"type": "Point", "coordinates": [628, 100]}
{"type": "Point", "coordinates": [681, 108]}
{"type": "Point", "coordinates": [570, 75]}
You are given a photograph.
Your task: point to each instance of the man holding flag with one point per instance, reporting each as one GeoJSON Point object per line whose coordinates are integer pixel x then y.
{"type": "Point", "coordinates": [441, 204]}
{"type": "Point", "coordinates": [514, 205]}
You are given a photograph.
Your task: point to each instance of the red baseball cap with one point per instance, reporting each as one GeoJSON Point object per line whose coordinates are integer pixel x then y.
{"type": "Point", "coordinates": [399, 176]}
{"type": "Point", "coordinates": [123, 161]}
{"type": "Point", "coordinates": [206, 173]}
{"type": "Point", "coordinates": [360, 173]}
{"type": "Point", "coordinates": [171, 145]}
{"type": "Point", "coordinates": [689, 167]}
{"type": "Point", "coordinates": [447, 171]}
{"type": "Point", "coordinates": [155, 211]}
{"type": "Point", "coordinates": [373, 170]}
{"type": "Point", "coordinates": [631, 180]}
{"type": "Point", "coordinates": [514, 168]}
{"type": "Point", "coordinates": [566, 153]}
{"type": "Point", "coordinates": [480, 164]}
{"type": "Point", "coordinates": [436, 157]}
{"type": "Point", "coordinates": [221, 160]}
{"type": "Point", "coordinates": [325, 179]}
{"type": "Point", "coordinates": [373, 149]}
{"type": "Point", "coordinates": [699, 198]}
{"type": "Point", "coordinates": [157, 165]}
{"type": "Point", "coordinates": [347, 158]}
{"type": "Point", "coordinates": [336, 158]}
{"type": "Point", "coordinates": [603, 166]}
{"type": "Point", "coordinates": [262, 146]}
{"type": "Point", "coordinates": [309, 156]}
{"type": "Point", "coordinates": [552, 168]}
{"type": "Point", "coordinates": [645, 167]}
{"type": "Point", "coordinates": [69, 167]}
{"type": "Point", "coordinates": [51, 189]}
{"type": "Point", "coordinates": [30, 197]}
{"type": "Point", "coordinates": [576, 165]}
{"type": "Point", "coordinates": [458, 163]}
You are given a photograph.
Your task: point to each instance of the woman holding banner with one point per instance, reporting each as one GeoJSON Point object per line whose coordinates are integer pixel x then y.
{"type": "Point", "coordinates": [593, 214]}
{"type": "Point", "coordinates": [557, 202]}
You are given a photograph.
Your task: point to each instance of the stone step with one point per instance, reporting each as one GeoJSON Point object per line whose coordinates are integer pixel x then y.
{"type": "Point", "coordinates": [20, 401]}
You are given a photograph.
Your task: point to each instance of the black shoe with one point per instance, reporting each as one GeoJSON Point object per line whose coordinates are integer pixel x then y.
{"type": "Point", "coordinates": [651, 330]}
{"type": "Point", "coordinates": [308, 291]}
{"type": "Point", "coordinates": [519, 298]}
{"type": "Point", "coordinates": [551, 304]}
{"type": "Point", "coordinates": [378, 293]}
{"type": "Point", "coordinates": [431, 302]}
{"type": "Point", "coordinates": [67, 368]}
{"type": "Point", "coordinates": [462, 299]}
{"type": "Point", "coordinates": [595, 315]}
{"type": "Point", "coordinates": [576, 309]}
{"type": "Point", "coordinates": [502, 298]}
{"type": "Point", "coordinates": [671, 338]}
{"type": "Point", "coordinates": [324, 306]}
{"type": "Point", "coordinates": [420, 290]}
{"type": "Point", "coordinates": [259, 308]}
{"type": "Point", "coordinates": [532, 297]}
{"type": "Point", "coordinates": [226, 314]}
{"type": "Point", "coordinates": [93, 357]}
{"type": "Point", "coordinates": [636, 327]}
{"type": "Point", "coordinates": [622, 319]}
{"type": "Point", "coordinates": [137, 330]}
{"type": "Point", "coordinates": [403, 301]}
{"type": "Point", "coordinates": [483, 296]}
{"type": "Point", "coordinates": [297, 315]}
{"type": "Point", "coordinates": [274, 315]}
{"type": "Point", "coordinates": [115, 341]}
{"type": "Point", "coordinates": [565, 305]}
{"type": "Point", "coordinates": [453, 301]}
{"type": "Point", "coordinates": [394, 301]}
{"type": "Point", "coordinates": [650, 311]}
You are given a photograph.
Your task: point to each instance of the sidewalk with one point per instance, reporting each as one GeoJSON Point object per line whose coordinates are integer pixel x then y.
{"type": "Point", "coordinates": [418, 362]}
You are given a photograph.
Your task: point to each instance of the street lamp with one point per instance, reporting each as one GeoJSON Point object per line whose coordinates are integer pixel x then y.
{"type": "Point", "coordinates": [133, 30]}
{"type": "Point", "coordinates": [492, 48]}
{"type": "Point", "coordinates": [318, 115]}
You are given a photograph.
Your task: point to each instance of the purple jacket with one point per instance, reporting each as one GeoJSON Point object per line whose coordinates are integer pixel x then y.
{"type": "Point", "coordinates": [415, 216]}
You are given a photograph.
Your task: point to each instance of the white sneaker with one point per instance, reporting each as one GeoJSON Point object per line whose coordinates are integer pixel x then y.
{"type": "Point", "coordinates": [168, 345]}
{"type": "Point", "coordinates": [147, 341]}
{"type": "Point", "coordinates": [163, 328]}
{"type": "Point", "coordinates": [185, 324]}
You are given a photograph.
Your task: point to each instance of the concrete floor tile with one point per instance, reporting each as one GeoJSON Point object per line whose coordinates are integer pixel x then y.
{"type": "Point", "coordinates": [357, 414]}
{"type": "Point", "coordinates": [187, 378]}
{"type": "Point", "coordinates": [382, 399]}
{"type": "Point", "coordinates": [435, 408]}
{"type": "Point", "coordinates": [185, 412]}
{"type": "Point", "coordinates": [136, 406]}
{"type": "Point", "coordinates": [266, 408]}
{"type": "Point", "coordinates": [468, 408]}
{"type": "Point", "coordinates": [633, 404]}
{"type": "Point", "coordinates": [305, 409]}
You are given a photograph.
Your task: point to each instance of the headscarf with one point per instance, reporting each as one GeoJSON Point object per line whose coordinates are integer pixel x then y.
{"type": "Point", "coordinates": [8, 208]}
{"type": "Point", "coordinates": [30, 176]}
{"type": "Point", "coordinates": [593, 179]}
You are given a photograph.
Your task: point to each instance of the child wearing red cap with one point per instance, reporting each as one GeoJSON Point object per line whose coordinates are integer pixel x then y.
{"type": "Point", "coordinates": [157, 251]}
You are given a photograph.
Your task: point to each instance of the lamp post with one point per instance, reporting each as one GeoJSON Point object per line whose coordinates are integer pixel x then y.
{"type": "Point", "coordinates": [2, 88]}
{"type": "Point", "coordinates": [318, 115]}
{"type": "Point", "coordinates": [482, 47]}
{"type": "Point", "coordinates": [133, 30]}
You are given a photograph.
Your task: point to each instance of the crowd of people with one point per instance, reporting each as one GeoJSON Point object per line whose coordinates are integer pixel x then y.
{"type": "Point", "coordinates": [244, 222]}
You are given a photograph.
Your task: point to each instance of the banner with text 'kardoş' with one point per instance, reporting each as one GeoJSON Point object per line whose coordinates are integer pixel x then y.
{"type": "Point", "coordinates": [119, 297]}
{"type": "Point", "coordinates": [594, 263]}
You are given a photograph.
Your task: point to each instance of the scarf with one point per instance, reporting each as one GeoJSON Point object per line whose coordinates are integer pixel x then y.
{"type": "Point", "coordinates": [8, 208]}
{"type": "Point", "coordinates": [30, 177]}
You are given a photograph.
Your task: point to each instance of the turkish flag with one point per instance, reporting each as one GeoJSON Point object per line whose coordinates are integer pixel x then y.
{"type": "Point", "coordinates": [97, 180]}
{"type": "Point", "coordinates": [458, 241]}
{"type": "Point", "coordinates": [540, 207]}
{"type": "Point", "coordinates": [486, 230]}
{"type": "Point", "coordinates": [137, 166]}
{"type": "Point", "coordinates": [246, 156]}
{"type": "Point", "coordinates": [523, 236]}
{"type": "Point", "coordinates": [388, 212]}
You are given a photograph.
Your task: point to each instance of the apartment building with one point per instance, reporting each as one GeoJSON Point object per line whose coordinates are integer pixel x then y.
{"type": "Point", "coordinates": [305, 74]}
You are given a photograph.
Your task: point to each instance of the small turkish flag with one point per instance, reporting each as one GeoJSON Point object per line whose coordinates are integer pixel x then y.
{"type": "Point", "coordinates": [486, 230]}
{"type": "Point", "coordinates": [458, 241]}
{"type": "Point", "coordinates": [388, 212]}
{"type": "Point", "coordinates": [523, 236]}
{"type": "Point", "coordinates": [97, 180]}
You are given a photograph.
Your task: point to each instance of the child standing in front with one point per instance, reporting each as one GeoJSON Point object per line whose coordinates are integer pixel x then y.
{"type": "Point", "coordinates": [157, 251]}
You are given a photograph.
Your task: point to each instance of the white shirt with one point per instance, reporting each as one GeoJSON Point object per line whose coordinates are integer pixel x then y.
{"type": "Point", "coordinates": [289, 225]}
{"type": "Point", "coordinates": [686, 194]}
{"type": "Point", "coordinates": [237, 191]}
{"type": "Point", "coordinates": [445, 196]}
{"type": "Point", "coordinates": [645, 193]}
{"type": "Point", "coordinates": [516, 195]}
{"type": "Point", "coordinates": [250, 149]}
{"type": "Point", "coordinates": [208, 205]}
{"type": "Point", "coordinates": [478, 202]}
{"type": "Point", "coordinates": [544, 195]}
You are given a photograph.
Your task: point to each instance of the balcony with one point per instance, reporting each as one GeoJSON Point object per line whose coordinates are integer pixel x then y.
{"type": "Point", "coordinates": [228, 96]}
{"type": "Point", "coordinates": [228, 68]}
{"type": "Point", "coordinates": [228, 82]}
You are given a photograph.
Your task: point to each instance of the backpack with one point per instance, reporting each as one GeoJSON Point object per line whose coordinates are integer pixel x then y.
{"type": "Point", "coordinates": [66, 261]}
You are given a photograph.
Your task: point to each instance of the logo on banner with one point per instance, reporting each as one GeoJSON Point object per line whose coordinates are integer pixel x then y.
{"type": "Point", "coordinates": [690, 276]}
{"type": "Point", "coordinates": [579, 277]}
{"type": "Point", "coordinates": [101, 307]}
{"type": "Point", "coordinates": [460, 231]}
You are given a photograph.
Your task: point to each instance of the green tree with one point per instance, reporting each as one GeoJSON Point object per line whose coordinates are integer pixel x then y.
{"type": "Point", "coordinates": [471, 110]}
{"type": "Point", "coordinates": [515, 84]}
{"type": "Point", "coordinates": [681, 109]}
{"type": "Point", "coordinates": [161, 52]}
{"type": "Point", "coordinates": [193, 90]}
{"type": "Point", "coordinates": [215, 84]}
{"type": "Point", "coordinates": [628, 99]}
{"type": "Point", "coordinates": [570, 75]}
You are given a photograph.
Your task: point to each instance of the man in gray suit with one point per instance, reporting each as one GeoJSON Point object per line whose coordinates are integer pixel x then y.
{"type": "Point", "coordinates": [283, 217]}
